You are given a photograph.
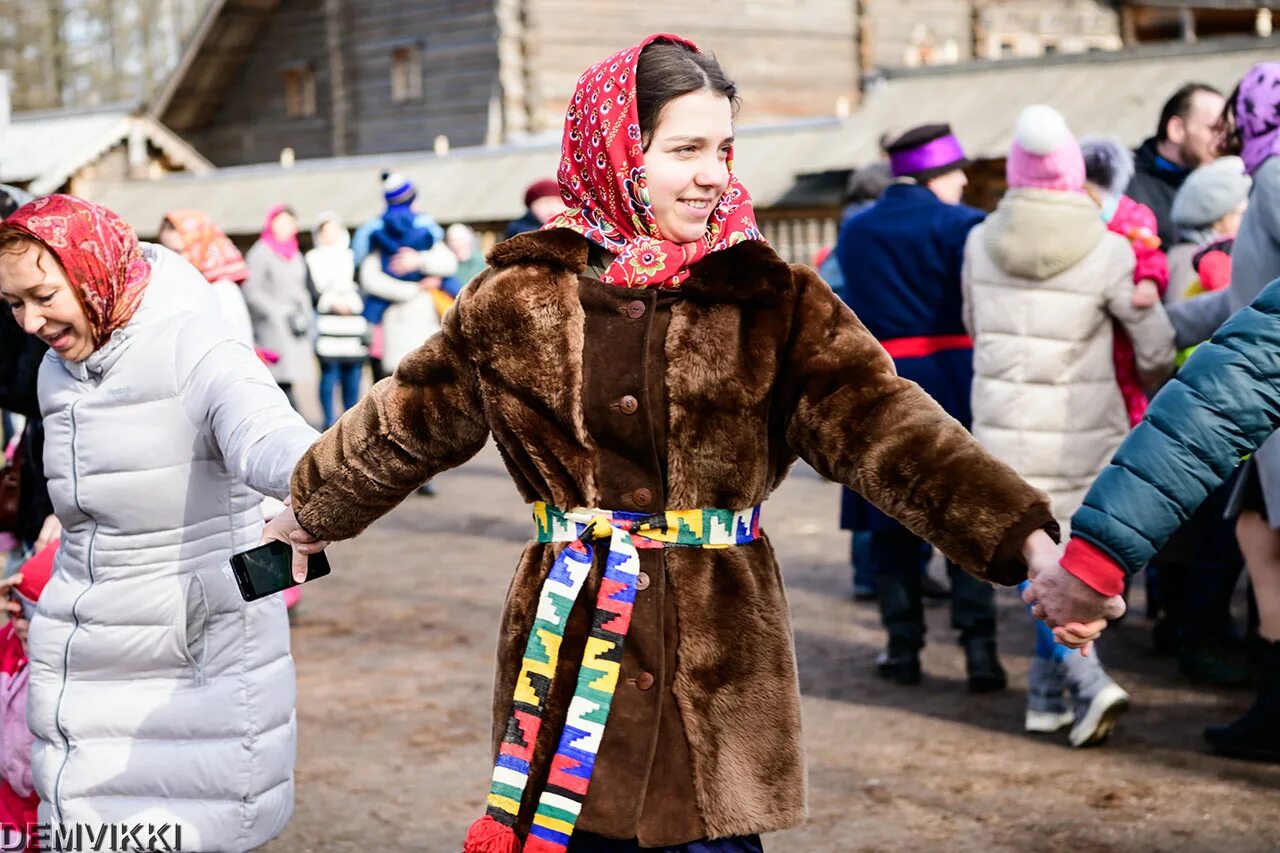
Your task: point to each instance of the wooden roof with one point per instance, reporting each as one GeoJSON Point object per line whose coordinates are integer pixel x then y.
{"type": "Point", "coordinates": [1113, 94]}
{"type": "Point", "coordinates": [223, 39]}
{"type": "Point", "coordinates": [45, 148]}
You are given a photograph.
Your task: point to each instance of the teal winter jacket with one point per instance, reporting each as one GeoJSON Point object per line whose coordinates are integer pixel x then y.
{"type": "Point", "coordinates": [1222, 405]}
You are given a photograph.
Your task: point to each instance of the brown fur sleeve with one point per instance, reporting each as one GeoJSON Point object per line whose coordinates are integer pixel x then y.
{"type": "Point", "coordinates": [425, 419]}
{"type": "Point", "coordinates": [857, 422]}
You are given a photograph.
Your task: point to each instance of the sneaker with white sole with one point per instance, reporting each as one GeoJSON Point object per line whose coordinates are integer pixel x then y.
{"type": "Point", "coordinates": [1048, 722]}
{"type": "Point", "coordinates": [1047, 708]}
{"type": "Point", "coordinates": [1096, 715]}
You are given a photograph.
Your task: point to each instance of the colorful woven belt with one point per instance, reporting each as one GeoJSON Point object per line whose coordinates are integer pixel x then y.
{"type": "Point", "coordinates": [560, 801]}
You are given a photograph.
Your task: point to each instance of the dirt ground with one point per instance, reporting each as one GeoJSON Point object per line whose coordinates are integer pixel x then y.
{"type": "Point", "coordinates": [394, 656]}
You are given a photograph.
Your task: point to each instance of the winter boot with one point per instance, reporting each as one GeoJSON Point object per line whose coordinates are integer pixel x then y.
{"type": "Point", "coordinates": [1256, 735]}
{"type": "Point", "coordinates": [899, 663]}
{"type": "Point", "coordinates": [986, 675]}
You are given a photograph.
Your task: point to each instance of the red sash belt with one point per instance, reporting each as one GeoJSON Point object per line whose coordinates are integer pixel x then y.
{"type": "Point", "coordinates": [925, 345]}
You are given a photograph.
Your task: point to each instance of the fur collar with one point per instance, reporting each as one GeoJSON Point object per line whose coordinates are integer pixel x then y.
{"type": "Point", "coordinates": [1037, 234]}
{"type": "Point", "coordinates": [748, 272]}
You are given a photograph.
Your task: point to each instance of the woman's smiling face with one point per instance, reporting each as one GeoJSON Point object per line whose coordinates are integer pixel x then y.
{"type": "Point", "coordinates": [43, 300]}
{"type": "Point", "coordinates": [687, 163]}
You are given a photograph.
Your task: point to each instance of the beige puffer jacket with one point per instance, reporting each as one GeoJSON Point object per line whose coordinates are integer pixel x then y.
{"type": "Point", "coordinates": [1043, 280]}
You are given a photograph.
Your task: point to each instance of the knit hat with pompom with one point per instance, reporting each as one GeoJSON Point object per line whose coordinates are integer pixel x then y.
{"type": "Point", "coordinates": [1044, 154]}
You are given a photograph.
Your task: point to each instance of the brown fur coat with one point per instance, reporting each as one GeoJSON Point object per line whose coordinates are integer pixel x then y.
{"type": "Point", "coordinates": [654, 400]}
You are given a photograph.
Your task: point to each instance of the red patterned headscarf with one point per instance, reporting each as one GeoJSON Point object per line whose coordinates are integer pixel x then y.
{"type": "Point", "coordinates": [207, 247]}
{"type": "Point", "coordinates": [602, 179]}
{"type": "Point", "coordinates": [99, 252]}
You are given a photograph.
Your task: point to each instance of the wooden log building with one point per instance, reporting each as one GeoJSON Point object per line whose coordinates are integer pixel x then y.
{"type": "Point", "coordinates": [330, 78]}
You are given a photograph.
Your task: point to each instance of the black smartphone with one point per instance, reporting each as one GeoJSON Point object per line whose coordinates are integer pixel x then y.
{"type": "Point", "coordinates": [268, 569]}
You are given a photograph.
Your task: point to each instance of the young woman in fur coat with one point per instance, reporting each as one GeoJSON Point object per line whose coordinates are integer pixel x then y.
{"type": "Point", "coordinates": [650, 369]}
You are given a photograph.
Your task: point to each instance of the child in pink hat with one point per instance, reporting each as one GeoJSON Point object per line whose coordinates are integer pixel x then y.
{"type": "Point", "coordinates": [1046, 155]}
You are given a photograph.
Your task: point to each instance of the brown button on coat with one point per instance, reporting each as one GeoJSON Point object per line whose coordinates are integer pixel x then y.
{"type": "Point", "coordinates": [748, 365]}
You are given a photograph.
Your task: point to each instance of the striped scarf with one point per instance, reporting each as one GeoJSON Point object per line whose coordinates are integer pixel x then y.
{"type": "Point", "coordinates": [560, 801]}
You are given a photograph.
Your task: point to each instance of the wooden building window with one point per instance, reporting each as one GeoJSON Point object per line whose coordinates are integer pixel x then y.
{"type": "Point", "coordinates": [299, 91]}
{"type": "Point", "coordinates": [406, 73]}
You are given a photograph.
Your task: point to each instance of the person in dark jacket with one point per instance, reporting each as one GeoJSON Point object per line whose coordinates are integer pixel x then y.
{"type": "Point", "coordinates": [1222, 405]}
{"type": "Point", "coordinates": [20, 357]}
{"type": "Point", "coordinates": [864, 189]}
{"type": "Point", "coordinates": [541, 202]}
{"type": "Point", "coordinates": [901, 261]}
{"type": "Point", "coordinates": [1186, 137]}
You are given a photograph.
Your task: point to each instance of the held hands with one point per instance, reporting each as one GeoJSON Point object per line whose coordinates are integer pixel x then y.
{"type": "Point", "coordinates": [1076, 612]}
{"type": "Point", "coordinates": [285, 528]}
{"type": "Point", "coordinates": [1145, 294]}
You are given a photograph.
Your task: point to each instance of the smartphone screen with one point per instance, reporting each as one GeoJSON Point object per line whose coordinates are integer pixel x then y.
{"type": "Point", "coordinates": [267, 569]}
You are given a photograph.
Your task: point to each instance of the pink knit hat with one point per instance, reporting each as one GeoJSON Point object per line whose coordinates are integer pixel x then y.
{"type": "Point", "coordinates": [1044, 154]}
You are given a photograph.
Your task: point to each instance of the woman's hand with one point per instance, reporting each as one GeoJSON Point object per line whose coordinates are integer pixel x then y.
{"type": "Point", "coordinates": [405, 261]}
{"type": "Point", "coordinates": [285, 528]}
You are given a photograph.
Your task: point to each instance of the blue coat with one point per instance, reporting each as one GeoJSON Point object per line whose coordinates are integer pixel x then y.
{"type": "Point", "coordinates": [901, 259]}
{"type": "Point", "coordinates": [1223, 404]}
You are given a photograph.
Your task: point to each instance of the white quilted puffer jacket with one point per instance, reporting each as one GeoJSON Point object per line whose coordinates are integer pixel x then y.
{"type": "Point", "coordinates": [1043, 283]}
{"type": "Point", "coordinates": [157, 694]}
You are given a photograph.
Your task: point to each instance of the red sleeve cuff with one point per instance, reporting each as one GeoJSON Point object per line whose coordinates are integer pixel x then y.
{"type": "Point", "coordinates": [1091, 565]}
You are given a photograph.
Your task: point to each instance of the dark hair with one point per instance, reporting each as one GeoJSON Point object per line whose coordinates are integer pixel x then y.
{"type": "Point", "coordinates": [8, 204]}
{"type": "Point", "coordinates": [1179, 105]}
{"type": "Point", "coordinates": [1229, 125]}
{"type": "Point", "coordinates": [666, 71]}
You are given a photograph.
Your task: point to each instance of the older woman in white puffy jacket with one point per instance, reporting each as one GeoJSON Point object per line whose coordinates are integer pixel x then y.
{"type": "Point", "coordinates": [157, 695]}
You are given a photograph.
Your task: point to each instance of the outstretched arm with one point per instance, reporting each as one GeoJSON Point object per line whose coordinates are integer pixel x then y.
{"type": "Point", "coordinates": [425, 419]}
{"type": "Point", "coordinates": [258, 433]}
{"type": "Point", "coordinates": [1223, 404]}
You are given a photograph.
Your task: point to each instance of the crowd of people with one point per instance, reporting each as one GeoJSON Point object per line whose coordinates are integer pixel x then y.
{"type": "Point", "coordinates": [650, 369]}
{"type": "Point", "coordinates": [1045, 326]}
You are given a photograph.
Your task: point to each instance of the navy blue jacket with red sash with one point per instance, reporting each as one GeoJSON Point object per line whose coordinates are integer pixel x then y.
{"type": "Point", "coordinates": [901, 260]}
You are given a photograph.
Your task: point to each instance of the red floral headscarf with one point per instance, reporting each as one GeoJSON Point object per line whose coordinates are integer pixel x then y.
{"type": "Point", "coordinates": [207, 247]}
{"type": "Point", "coordinates": [602, 179]}
{"type": "Point", "coordinates": [99, 252]}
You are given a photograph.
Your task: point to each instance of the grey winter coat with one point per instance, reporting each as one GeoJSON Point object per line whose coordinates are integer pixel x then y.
{"type": "Point", "coordinates": [276, 293]}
